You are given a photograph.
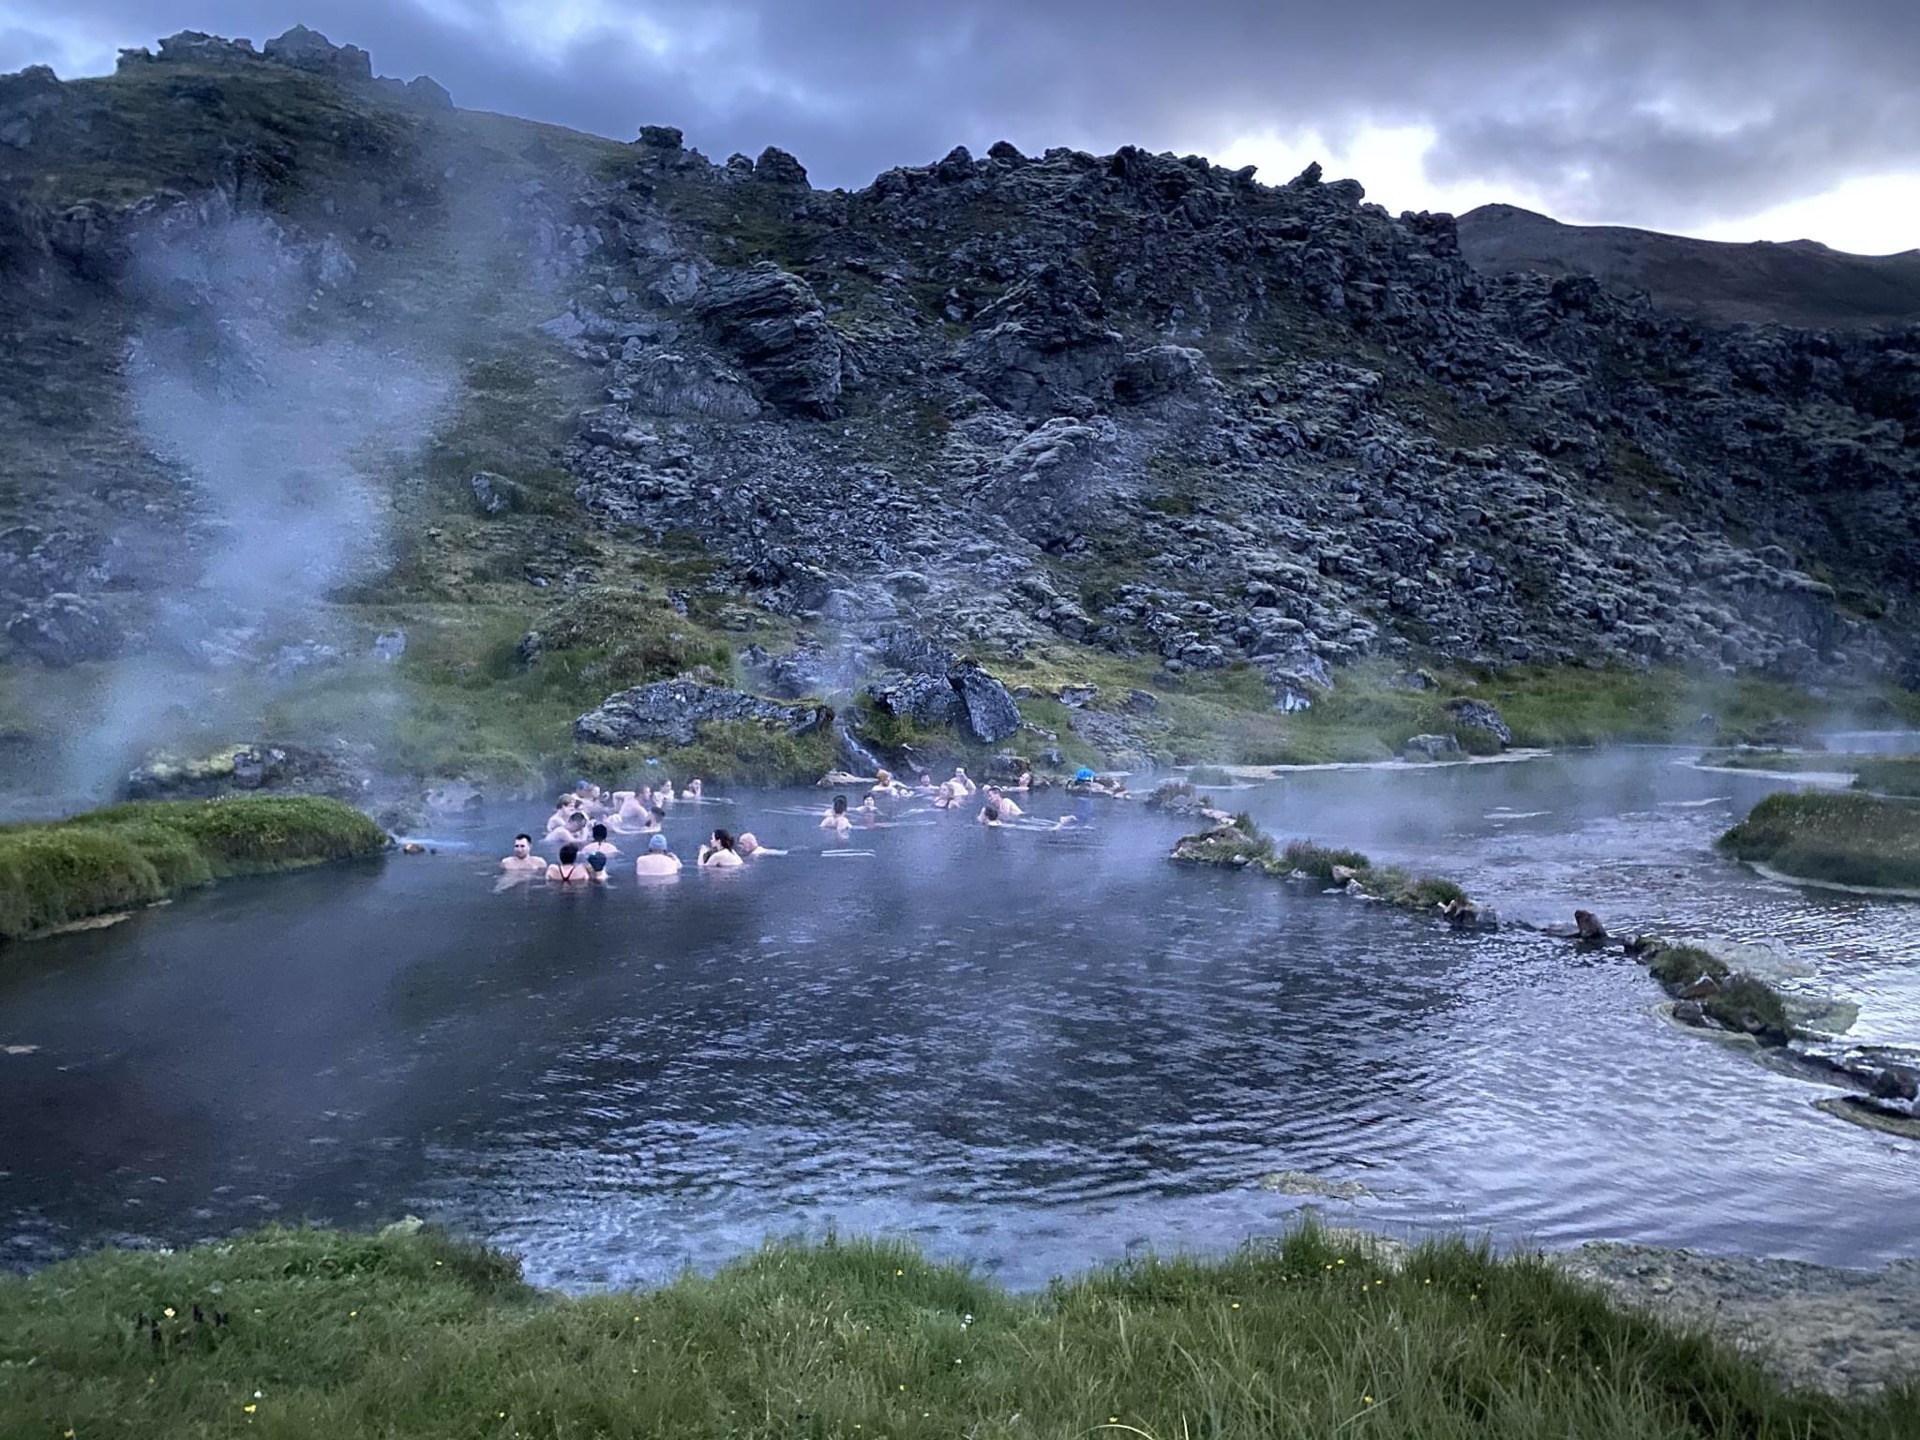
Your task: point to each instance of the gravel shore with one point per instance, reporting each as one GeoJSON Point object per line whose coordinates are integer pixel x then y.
{"type": "Point", "coordinates": [1844, 1331]}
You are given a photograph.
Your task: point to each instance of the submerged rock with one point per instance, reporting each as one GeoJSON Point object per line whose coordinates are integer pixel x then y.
{"type": "Point", "coordinates": [670, 712]}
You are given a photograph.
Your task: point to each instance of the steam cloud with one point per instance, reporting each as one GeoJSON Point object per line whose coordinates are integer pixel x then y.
{"type": "Point", "coordinates": [274, 416]}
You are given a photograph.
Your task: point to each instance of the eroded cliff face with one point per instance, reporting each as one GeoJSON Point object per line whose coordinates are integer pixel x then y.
{"type": "Point", "coordinates": [1137, 403]}
{"type": "Point", "coordinates": [1143, 402]}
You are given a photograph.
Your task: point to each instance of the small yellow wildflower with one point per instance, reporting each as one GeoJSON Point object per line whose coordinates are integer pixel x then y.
{"type": "Point", "coordinates": [249, 1407]}
{"type": "Point", "coordinates": [1236, 1305]}
{"type": "Point", "coordinates": [1367, 1398]}
{"type": "Point", "coordinates": [353, 1314]}
{"type": "Point", "coordinates": [168, 1312]}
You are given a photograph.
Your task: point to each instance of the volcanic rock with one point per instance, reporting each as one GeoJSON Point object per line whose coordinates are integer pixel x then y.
{"type": "Point", "coordinates": [670, 712]}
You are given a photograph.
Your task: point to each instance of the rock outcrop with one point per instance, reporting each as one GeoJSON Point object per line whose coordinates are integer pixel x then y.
{"type": "Point", "coordinates": [671, 712]}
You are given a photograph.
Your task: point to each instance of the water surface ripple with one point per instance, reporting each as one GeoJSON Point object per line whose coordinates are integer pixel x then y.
{"type": "Point", "coordinates": [1030, 1050]}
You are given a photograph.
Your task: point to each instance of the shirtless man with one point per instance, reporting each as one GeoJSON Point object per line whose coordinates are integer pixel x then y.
{"type": "Point", "coordinates": [719, 852]}
{"type": "Point", "coordinates": [1008, 810]}
{"type": "Point", "coordinates": [599, 845]}
{"type": "Point", "coordinates": [572, 831]}
{"type": "Point", "coordinates": [885, 784]}
{"type": "Point", "coordinates": [836, 819]}
{"type": "Point", "coordinates": [657, 859]}
{"type": "Point", "coordinates": [523, 861]}
{"type": "Point", "coordinates": [962, 786]}
{"type": "Point", "coordinates": [750, 847]}
{"type": "Point", "coordinates": [693, 791]}
{"type": "Point", "coordinates": [869, 812]}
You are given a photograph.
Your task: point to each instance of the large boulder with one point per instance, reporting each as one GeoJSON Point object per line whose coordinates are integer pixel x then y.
{"type": "Point", "coordinates": [1479, 715]}
{"type": "Point", "coordinates": [671, 712]}
{"type": "Point", "coordinates": [64, 629]}
{"type": "Point", "coordinates": [927, 701]}
{"type": "Point", "coordinates": [773, 323]}
{"type": "Point", "coordinates": [246, 770]}
{"type": "Point", "coordinates": [963, 697]}
{"type": "Point", "coordinates": [991, 715]}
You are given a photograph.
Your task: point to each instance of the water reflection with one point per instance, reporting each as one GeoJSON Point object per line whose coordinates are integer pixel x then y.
{"type": "Point", "coordinates": [1032, 1050]}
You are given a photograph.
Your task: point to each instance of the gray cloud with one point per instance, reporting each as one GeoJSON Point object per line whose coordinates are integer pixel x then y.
{"type": "Point", "coordinates": [1631, 110]}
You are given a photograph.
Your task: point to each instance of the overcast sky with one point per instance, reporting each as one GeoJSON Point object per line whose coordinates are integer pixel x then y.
{"type": "Point", "coordinates": [1735, 119]}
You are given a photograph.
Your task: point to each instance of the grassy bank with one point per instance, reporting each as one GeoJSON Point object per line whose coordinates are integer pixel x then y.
{"type": "Point", "coordinates": [1842, 838]}
{"type": "Point", "coordinates": [403, 1335]}
{"type": "Point", "coordinates": [126, 855]}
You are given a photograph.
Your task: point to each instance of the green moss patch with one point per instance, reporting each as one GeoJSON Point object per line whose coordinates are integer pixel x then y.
{"type": "Point", "coordinates": [407, 1335]}
{"type": "Point", "coordinates": [126, 855]}
{"type": "Point", "coordinates": [1846, 839]}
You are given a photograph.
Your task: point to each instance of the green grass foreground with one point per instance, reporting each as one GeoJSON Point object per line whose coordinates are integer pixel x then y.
{"type": "Point", "coordinates": [397, 1335]}
{"type": "Point", "coordinates": [54, 873]}
{"type": "Point", "coordinates": [1847, 839]}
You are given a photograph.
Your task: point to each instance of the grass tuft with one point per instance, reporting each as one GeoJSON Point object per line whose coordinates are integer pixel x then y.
{"type": "Point", "coordinates": [1319, 860]}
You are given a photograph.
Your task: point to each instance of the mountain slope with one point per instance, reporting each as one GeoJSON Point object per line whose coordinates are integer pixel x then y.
{"type": "Point", "coordinates": [339, 403]}
{"type": "Point", "coordinates": [1801, 283]}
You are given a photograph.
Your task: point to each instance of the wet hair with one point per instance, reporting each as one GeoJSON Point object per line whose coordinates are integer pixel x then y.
{"type": "Point", "coordinates": [596, 861]}
{"type": "Point", "coordinates": [839, 804]}
{"type": "Point", "coordinates": [599, 831]}
{"type": "Point", "coordinates": [579, 815]}
{"type": "Point", "coordinates": [992, 812]}
{"type": "Point", "coordinates": [723, 839]}
{"type": "Point", "coordinates": [658, 813]}
{"type": "Point", "coordinates": [527, 838]}
{"type": "Point", "coordinates": [569, 854]}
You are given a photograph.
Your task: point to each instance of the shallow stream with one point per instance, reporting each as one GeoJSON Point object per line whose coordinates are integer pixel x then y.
{"type": "Point", "coordinates": [1032, 1050]}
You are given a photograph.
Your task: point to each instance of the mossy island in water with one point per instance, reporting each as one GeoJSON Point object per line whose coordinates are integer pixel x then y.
{"type": "Point", "coordinates": [1241, 844]}
{"type": "Point", "coordinates": [405, 1333]}
{"type": "Point", "coordinates": [1838, 839]}
{"type": "Point", "coordinates": [56, 872]}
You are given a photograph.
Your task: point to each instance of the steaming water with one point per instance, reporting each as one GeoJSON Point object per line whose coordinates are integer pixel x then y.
{"type": "Point", "coordinates": [1034, 1051]}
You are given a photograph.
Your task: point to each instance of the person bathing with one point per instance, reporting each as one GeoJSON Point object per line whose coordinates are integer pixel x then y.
{"type": "Point", "coordinates": [836, 819]}
{"type": "Point", "coordinates": [523, 861]}
{"type": "Point", "coordinates": [719, 853]}
{"type": "Point", "coordinates": [657, 859]}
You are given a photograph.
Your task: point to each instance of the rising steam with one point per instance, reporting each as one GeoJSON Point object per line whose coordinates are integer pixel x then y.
{"type": "Point", "coordinates": [275, 404]}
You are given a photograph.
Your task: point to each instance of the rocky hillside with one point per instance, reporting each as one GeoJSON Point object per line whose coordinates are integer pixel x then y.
{"type": "Point", "coordinates": [1115, 418]}
{"type": "Point", "coordinates": [1801, 283]}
